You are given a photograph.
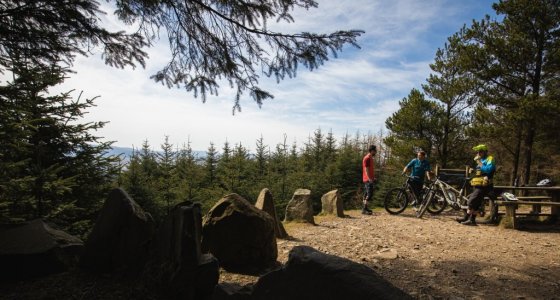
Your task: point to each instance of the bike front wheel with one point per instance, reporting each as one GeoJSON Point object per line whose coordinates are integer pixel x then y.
{"type": "Point", "coordinates": [437, 204]}
{"type": "Point", "coordinates": [395, 201]}
{"type": "Point", "coordinates": [426, 202]}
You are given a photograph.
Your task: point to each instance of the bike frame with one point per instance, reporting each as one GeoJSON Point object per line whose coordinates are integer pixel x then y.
{"type": "Point", "coordinates": [408, 188]}
{"type": "Point", "coordinates": [452, 197]}
{"type": "Point", "coordinates": [458, 194]}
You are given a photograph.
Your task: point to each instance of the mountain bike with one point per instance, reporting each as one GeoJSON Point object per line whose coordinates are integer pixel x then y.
{"type": "Point", "coordinates": [440, 194]}
{"type": "Point", "coordinates": [397, 199]}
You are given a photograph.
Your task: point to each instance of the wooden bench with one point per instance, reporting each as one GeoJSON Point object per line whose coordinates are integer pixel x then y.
{"type": "Point", "coordinates": [511, 207]}
{"type": "Point", "coordinates": [534, 198]}
{"type": "Point", "coordinates": [529, 198]}
{"type": "Point", "coordinates": [536, 207]}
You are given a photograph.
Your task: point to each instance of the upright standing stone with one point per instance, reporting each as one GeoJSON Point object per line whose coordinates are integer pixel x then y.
{"type": "Point", "coordinates": [178, 264]}
{"type": "Point", "coordinates": [120, 237]}
{"type": "Point", "coordinates": [331, 203]}
{"type": "Point", "coordinates": [300, 208]}
{"type": "Point", "coordinates": [239, 235]}
{"type": "Point", "coordinates": [265, 202]}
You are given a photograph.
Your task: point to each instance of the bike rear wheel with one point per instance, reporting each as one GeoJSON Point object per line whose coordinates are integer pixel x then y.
{"type": "Point", "coordinates": [437, 204]}
{"type": "Point", "coordinates": [490, 217]}
{"type": "Point", "coordinates": [395, 201]}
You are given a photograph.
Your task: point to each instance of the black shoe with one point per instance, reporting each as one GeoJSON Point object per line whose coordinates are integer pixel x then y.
{"type": "Point", "coordinates": [463, 219]}
{"type": "Point", "coordinates": [469, 222]}
{"type": "Point", "coordinates": [366, 212]}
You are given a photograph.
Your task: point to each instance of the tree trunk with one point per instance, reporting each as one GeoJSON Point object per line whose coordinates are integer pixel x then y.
{"type": "Point", "coordinates": [517, 153]}
{"type": "Point", "coordinates": [446, 138]}
{"type": "Point", "coordinates": [536, 85]}
{"type": "Point", "coordinates": [529, 140]}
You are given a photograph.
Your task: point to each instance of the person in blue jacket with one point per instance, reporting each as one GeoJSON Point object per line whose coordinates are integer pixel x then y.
{"type": "Point", "coordinates": [482, 183]}
{"type": "Point", "coordinates": [420, 168]}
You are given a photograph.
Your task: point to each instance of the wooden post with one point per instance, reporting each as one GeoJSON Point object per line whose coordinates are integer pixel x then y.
{"type": "Point", "coordinates": [554, 210]}
{"type": "Point", "coordinates": [509, 220]}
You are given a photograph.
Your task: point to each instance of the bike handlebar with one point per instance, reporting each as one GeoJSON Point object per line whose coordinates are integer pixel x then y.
{"type": "Point", "coordinates": [409, 176]}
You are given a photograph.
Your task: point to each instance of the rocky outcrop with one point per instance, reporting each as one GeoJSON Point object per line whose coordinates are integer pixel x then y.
{"type": "Point", "coordinates": [331, 204]}
{"type": "Point", "coordinates": [120, 238]}
{"type": "Point", "coordinates": [178, 264]}
{"type": "Point", "coordinates": [239, 235]}
{"type": "Point", "coordinates": [310, 274]}
{"type": "Point", "coordinates": [300, 207]}
{"type": "Point", "coordinates": [265, 202]}
{"type": "Point", "coordinates": [35, 249]}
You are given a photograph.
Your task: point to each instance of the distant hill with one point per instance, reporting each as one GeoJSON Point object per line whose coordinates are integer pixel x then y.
{"type": "Point", "coordinates": [126, 152]}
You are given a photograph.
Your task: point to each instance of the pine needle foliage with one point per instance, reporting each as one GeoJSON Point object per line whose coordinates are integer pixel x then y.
{"type": "Point", "coordinates": [210, 41]}
{"type": "Point", "coordinates": [52, 165]}
{"type": "Point", "coordinates": [230, 40]}
{"type": "Point", "coordinates": [54, 32]}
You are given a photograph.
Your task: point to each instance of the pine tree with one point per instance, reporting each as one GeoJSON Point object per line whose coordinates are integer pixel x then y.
{"type": "Point", "coordinates": [140, 186]}
{"type": "Point", "coordinates": [149, 167]}
{"type": "Point", "coordinates": [348, 166]}
{"type": "Point", "coordinates": [148, 159]}
{"type": "Point", "coordinates": [224, 169]}
{"type": "Point", "coordinates": [280, 170]}
{"type": "Point", "coordinates": [284, 162]}
{"type": "Point", "coordinates": [242, 172]}
{"type": "Point", "coordinates": [166, 160]}
{"type": "Point", "coordinates": [416, 125]}
{"type": "Point", "coordinates": [53, 167]}
{"type": "Point", "coordinates": [330, 147]}
{"type": "Point", "coordinates": [516, 60]}
{"type": "Point", "coordinates": [188, 175]}
{"type": "Point", "coordinates": [455, 89]}
{"type": "Point", "coordinates": [261, 157]}
{"type": "Point", "coordinates": [210, 164]}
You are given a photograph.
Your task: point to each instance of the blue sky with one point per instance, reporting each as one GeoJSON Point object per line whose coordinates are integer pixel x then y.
{"type": "Point", "coordinates": [355, 92]}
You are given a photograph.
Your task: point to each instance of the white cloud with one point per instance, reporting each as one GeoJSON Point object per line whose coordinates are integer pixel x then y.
{"type": "Point", "coordinates": [355, 92]}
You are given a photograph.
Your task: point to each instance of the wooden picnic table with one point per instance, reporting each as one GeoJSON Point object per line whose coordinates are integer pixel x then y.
{"type": "Point", "coordinates": [552, 199]}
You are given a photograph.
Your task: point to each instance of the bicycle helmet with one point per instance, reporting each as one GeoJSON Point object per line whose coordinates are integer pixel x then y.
{"type": "Point", "coordinates": [480, 147]}
{"type": "Point", "coordinates": [545, 182]}
{"type": "Point", "coordinates": [509, 196]}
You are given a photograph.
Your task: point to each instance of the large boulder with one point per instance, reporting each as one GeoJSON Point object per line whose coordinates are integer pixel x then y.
{"type": "Point", "coordinates": [310, 274]}
{"type": "Point", "coordinates": [119, 240]}
{"type": "Point", "coordinates": [232, 291]}
{"type": "Point", "coordinates": [239, 235]}
{"type": "Point", "coordinates": [331, 203]}
{"type": "Point", "coordinates": [300, 207]}
{"type": "Point", "coordinates": [265, 202]}
{"type": "Point", "coordinates": [35, 249]}
{"type": "Point", "coordinates": [178, 265]}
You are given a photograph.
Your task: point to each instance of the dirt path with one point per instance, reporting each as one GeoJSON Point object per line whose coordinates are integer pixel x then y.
{"type": "Point", "coordinates": [435, 257]}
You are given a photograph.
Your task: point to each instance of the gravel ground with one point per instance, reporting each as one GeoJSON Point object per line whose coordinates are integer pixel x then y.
{"type": "Point", "coordinates": [435, 257]}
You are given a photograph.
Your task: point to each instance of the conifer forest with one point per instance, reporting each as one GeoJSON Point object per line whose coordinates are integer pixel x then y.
{"type": "Point", "coordinates": [495, 81]}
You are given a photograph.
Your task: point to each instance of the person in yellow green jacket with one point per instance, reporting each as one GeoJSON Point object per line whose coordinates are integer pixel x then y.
{"type": "Point", "coordinates": [482, 183]}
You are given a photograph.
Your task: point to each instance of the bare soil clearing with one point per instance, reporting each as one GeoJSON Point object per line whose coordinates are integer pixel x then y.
{"type": "Point", "coordinates": [435, 257]}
